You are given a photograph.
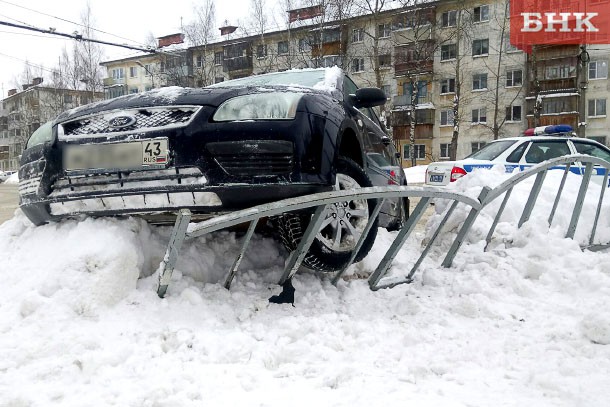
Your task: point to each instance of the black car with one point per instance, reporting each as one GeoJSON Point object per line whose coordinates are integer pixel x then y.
{"type": "Point", "coordinates": [213, 150]}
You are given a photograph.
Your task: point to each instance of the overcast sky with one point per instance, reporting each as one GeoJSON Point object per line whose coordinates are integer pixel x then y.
{"type": "Point", "coordinates": [132, 20]}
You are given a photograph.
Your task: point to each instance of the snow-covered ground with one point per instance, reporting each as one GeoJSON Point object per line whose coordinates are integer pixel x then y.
{"type": "Point", "coordinates": [523, 324]}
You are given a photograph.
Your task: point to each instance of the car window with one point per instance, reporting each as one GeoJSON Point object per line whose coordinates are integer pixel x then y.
{"type": "Point", "coordinates": [349, 87]}
{"type": "Point", "coordinates": [516, 155]}
{"type": "Point", "coordinates": [591, 149]}
{"type": "Point", "coordinates": [545, 150]}
{"type": "Point", "coordinates": [379, 160]}
{"type": "Point", "coordinates": [491, 151]}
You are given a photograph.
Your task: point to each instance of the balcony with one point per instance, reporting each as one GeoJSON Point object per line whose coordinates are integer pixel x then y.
{"type": "Point", "coordinates": [237, 64]}
{"type": "Point", "coordinates": [423, 102]}
{"type": "Point", "coordinates": [549, 85]}
{"type": "Point", "coordinates": [113, 81]}
{"type": "Point", "coordinates": [423, 131]}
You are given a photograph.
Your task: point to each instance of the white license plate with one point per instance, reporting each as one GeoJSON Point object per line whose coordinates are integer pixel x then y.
{"type": "Point", "coordinates": [117, 156]}
{"type": "Point", "coordinates": [436, 178]}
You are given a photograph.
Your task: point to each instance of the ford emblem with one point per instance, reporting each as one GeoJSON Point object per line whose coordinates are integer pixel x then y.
{"type": "Point", "coordinates": [120, 122]}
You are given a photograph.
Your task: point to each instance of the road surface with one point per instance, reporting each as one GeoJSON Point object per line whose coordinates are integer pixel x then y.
{"type": "Point", "coordinates": [9, 201]}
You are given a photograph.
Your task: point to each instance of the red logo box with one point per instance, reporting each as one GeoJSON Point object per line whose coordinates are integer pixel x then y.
{"type": "Point", "coordinates": [535, 22]}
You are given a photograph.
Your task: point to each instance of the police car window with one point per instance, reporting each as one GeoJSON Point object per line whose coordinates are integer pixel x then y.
{"type": "Point", "coordinates": [545, 150]}
{"type": "Point", "coordinates": [592, 149]}
{"type": "Point", "coordinates": [492, 150]}
{"type": "Point", "coordinates": [515, 156]}
{"type": "Point", "coordinates": [379, 160]}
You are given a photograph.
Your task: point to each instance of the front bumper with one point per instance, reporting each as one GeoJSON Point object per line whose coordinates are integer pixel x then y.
{"type": "Point", "coordinates": [155, 203]}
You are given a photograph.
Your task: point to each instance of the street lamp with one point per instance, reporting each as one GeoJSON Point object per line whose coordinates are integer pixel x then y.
{"type": "Point", "coordinates": [152, 79]}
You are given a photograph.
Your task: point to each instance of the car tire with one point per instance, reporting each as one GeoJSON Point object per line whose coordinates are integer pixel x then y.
{"type": "Point", "coordinates": [325, 253]}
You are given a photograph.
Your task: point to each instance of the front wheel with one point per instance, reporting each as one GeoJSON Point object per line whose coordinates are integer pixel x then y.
{"type": "Point", "coordinates": [341, 230]}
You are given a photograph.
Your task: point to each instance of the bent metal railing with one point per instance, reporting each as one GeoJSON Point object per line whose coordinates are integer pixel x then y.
{"type": "Point", "coordinates": [183, 230]}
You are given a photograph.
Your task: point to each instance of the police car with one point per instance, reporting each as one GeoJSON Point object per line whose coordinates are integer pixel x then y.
{"type": "Point", "coordinates": [518, 153]}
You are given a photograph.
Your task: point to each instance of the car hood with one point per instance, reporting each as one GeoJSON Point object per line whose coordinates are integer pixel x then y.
{"type": "Point", "coordinates": [175, 95]}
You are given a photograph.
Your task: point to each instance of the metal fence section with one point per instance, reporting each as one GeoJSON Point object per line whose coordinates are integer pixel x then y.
{"type": "Point", "coordinates": [318, 203]}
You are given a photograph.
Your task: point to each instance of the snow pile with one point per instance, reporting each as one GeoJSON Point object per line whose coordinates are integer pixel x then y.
{"type": "Point", "coordinates": [525, 323]}
{"type": "Point", "coordinates": [416, 175]}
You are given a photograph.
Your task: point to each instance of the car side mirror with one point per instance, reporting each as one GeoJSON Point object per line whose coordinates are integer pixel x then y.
{"type": "Point", "coordinates": [397, 155]}
{"type": "Point", "coordinates": [368, 97]}
{"type": "Point", "coordinates": [386, 141]}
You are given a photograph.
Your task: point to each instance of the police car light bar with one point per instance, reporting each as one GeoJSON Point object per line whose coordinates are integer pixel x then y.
{"type": "Point", "coordinates": [542, 130]}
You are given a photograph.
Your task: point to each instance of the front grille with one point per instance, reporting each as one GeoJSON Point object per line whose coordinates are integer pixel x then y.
{"type": "Point", "coordinates": [254, 158]}
{"type": "Point", "coordinates": [145, 118]}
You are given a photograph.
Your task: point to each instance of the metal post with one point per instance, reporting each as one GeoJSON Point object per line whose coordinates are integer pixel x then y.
{"type": "Point", "coordinates": [497, 219]}
{"type": "Point", "coordinates": [459, 239]}
{"type": "Point", "coordinates": [409, 277]}
{"type": "Point", "coordinates": [584, 185]}
{"type": "Point", "coordinates": [240, 256]}
{"type": "Point", "coordinates": [404, 233]}
{"type": "Point", "coordinates": [599, 205]}
{"type": "Point", "coordinates": [296, 257]}
{"type": "Point", "coordinates": [173, 250]}
{"type": "Point", "coordinates": [559, 192]}
{"type": "Point", "coordinates": [531, 201]}
{"type": "Point", "coordinates": [363, 237]}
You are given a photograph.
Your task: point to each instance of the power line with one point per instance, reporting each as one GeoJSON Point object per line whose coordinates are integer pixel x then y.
{"type": "Point", "coordinates": [67, 21]}
{"type": "Point", "coordinates": [77, 37]}
{"type": "Point", "coordinates": [30, 35]}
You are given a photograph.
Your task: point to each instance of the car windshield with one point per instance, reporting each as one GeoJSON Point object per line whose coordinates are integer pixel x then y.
{"type": "Point", "coordinates": [303, 77]}
{"type": "Point", "coordinates": [492, 150]}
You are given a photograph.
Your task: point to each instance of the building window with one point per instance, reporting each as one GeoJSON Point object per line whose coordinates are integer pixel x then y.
{"type": "Point", "coordinates": [331, 60]}
{"type": "Point", "coordinates": [449, 18]}
{"type": "Point", "coordinates": [147, 88]}
{"type": "Point", "coordinates": [383, 30]}
{"type": "Point", "coordinates": [481, 14]}
{"type": "Point", "coordinates": [358, 65]}
{"type": "Point", "coordinates": [199, 61]}
{"type": "Point", "coordinates": [514, 78]}
{"type": "Point", "coordinates": [147, 69]}
{"type": "Point", "coordinates": [513, 113]}
{"type": "Point", "coordinates": [420, 151]}
{"type": "Point", "coordinates": [597, 107]}
{"type": "Point", "coordinates": [385, 61]}
{"type": "Point", "coordinates": [218, 56]}
{"type": "Point", "coordinates": [422, 91]}
{"type": "Point", "coordinates": [447, 86]}
{"type": "Point", "coordinates": [67, 98]}
{"type": "Point", "coordinates": [448, 52]}
{"type": "Point", "coordinates": [555, 105]}
{"type": "Point", "coordinates": [560, 71]}
{"type": "Point", "coordinates": [133, 71]}
{"type": "Point", "coordinates": [479, 115]}
{"type": "Point", "coordinates": [480, 47]}
{"type": "Point", "coordinates": [118, 73]}
{"type": "Point", "coordinates": [445, 148]}
{"type": "Point", "coordinates": [133, 90]}
{"type": "Point", "coordinates": [282, 48]}
{"type": "Point", "coordinates": [357, 35]}
{"type": "Point", "coordinates": [304, 44]}
{"type": "Point", "coordinates": [479, 81]}
{"type": "Point", "coordinates": [598, 70]}
{"type": "Point", "coordinates": [476, 146]}
{"type": "Point", "coordinates": [219, 79]}
{"type": "Point", "coordinates": [261, 51]}
{"type": "Point", "coordinates": [447, 117]}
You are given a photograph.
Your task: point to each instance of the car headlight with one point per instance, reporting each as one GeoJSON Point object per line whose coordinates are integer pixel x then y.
{"type": "Point", "coordinates": [260, 106]}
{"type": "Point", "coordinates": [43, 134]}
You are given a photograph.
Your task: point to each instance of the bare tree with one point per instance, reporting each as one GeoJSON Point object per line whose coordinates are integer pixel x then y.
{"type": "Point", "coordinates": [497, 66]}
{"type": "Point", "coordinates": [89, 55]}
{"type": "Point", "coordinates": [200, 33]}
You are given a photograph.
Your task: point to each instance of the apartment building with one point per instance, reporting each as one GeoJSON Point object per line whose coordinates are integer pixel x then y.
{"type": "Point", "coordinates": [447, 58]}
{"type": "Point", "coordinates": [22, 112]}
